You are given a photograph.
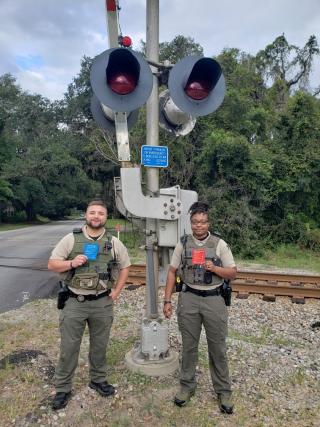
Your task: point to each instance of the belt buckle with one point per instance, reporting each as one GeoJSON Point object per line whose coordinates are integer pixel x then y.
{"type": "Point", "coordinates": [80, 298]}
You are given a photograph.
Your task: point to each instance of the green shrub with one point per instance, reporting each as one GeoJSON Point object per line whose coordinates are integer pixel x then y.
{"type": "Point", "coordinates": [17, 217]}
{"type": "Point", "coordinates": [310, 239]}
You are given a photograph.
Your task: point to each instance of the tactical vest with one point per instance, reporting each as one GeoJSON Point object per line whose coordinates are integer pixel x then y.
{"type": "Point", "coordinates": [193, 274]}
{"type": "Point", "coordinates": [96, 274]}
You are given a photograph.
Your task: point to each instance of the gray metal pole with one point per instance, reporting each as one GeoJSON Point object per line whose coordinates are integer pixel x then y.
{"type": "Point", "coordinates": [153, 102]}
{"type": "Point", "coordinates": [113, 26]}
{"type": "Point", "coordinates": [152, 356]}
{"type": "Point", "coordinates": [152, 53]}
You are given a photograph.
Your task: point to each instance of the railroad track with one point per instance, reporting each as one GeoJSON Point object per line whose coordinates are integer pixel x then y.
{"type": "Point", "coordinates": [270, 284]}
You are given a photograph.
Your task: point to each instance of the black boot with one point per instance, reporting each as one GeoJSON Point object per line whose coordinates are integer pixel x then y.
{"type": "Point", "coordinates": [60, 400]}
{"type": "Point", "coordinates": [225, 403]}
{"type": "Point", "coordinates": [104, 388]}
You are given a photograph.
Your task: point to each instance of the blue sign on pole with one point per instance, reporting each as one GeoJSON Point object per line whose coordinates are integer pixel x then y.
{"type": "Point", "coordinates": [154, 156]}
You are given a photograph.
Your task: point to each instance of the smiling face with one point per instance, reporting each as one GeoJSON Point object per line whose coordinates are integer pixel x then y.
{"type": "Point", "coordinates": [96, 217]}
{"type": "Point", "coordinates": [200, 225]}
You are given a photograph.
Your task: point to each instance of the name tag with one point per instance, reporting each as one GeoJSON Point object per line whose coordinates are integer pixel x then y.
{"type": "Point", "coordinates": [198, 256]}
{"type": "Point", "coordinates": [91, 251]}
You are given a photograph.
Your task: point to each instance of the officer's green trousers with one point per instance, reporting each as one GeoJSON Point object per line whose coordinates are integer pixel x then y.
{"type": "Point", "coordinates": [211, 312]}
{"type": "Point", "coordinates": [98, 315]}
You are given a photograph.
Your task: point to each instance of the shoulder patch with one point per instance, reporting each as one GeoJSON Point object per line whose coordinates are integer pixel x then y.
{"type": "Point", "coordinates": [77, 230]}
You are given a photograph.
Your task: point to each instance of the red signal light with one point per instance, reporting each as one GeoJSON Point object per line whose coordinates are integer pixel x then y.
{"type": "Point", "coordinates": [122, 83]}
{"type": "Point", "coordinates": [198, 89]}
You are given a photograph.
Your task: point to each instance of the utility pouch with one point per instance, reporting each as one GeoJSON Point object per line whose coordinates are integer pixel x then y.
{"type": "Point", "coordinates": [207, 277]}
{"type": "Point", "coordinates": [63, 295]}
{"type": "Point", "coordinates": [226, 292]}
{"type": "Point", "coordinates": [179, 284]}
{"type": "Point", "coordinates": [87, 281]}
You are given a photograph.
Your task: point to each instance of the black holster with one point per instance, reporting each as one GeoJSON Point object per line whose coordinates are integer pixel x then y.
{"type": "Point", "coordinates": [226, 292]}
{"type": "Point", "coordinates": [63, 295]}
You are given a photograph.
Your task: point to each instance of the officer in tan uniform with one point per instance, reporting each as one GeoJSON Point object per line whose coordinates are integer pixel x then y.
{"type": "Point", "coordinates": [202, 261]}
{"type": "Point", "coordinates": [94, 267]}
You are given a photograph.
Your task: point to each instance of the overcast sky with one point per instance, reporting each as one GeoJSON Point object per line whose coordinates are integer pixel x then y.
{"type": "Point", "coordinates": [42, 41]}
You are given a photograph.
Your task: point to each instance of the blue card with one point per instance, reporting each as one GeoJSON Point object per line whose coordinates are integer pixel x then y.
{"type": "Point", "coordinates": [91, 251]}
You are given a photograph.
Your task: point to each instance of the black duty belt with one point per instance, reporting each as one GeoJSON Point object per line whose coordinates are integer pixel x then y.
{"type": "Point", "coordinates": [203, 293]}
{"type": "Point", "coordinates": [89, 297]}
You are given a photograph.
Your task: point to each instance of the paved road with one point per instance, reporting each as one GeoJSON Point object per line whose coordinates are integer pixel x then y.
{"type": "Point", "coordinates": [24, 255]}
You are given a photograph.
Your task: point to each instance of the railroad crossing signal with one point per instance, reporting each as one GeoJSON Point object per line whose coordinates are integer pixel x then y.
{"type": "Point", "coordinates": [122, 81]}
{"type": "Point", "coordinates": [196, 88]}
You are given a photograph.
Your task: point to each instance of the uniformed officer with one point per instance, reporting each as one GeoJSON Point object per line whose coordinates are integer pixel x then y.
{"type": "Point", "coordinates": [203, 261]}
{"type": "Point", "coordinates": [95, 268]}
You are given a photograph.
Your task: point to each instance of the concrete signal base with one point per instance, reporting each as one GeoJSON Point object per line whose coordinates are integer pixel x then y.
{"type": "Point", "coordinates": [155, 368]}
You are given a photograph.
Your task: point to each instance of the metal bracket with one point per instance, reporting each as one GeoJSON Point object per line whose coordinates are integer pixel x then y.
{"type": "Point", "coordinates": [122, 136]}
{"type": "Point", "coordinates": [165, 206]}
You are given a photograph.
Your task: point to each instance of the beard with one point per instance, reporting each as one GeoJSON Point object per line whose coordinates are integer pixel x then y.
{"type": "Point", "coordinates": [95, 226]}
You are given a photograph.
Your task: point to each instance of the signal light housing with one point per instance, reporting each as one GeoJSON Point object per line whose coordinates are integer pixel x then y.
{"type": "Point", "coordinates": [197, 85]}
{"type": "Point", "coordinates": [121, 79]}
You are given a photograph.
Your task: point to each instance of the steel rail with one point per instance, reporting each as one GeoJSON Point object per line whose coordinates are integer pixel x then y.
{"type": "Point", "coordinates": [270, 284]}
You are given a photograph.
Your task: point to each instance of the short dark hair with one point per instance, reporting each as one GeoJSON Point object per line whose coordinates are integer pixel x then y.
{"type": "Point", "coordinates": [97, 203]}
{"type": "Point", "coordinates": [198, 207]}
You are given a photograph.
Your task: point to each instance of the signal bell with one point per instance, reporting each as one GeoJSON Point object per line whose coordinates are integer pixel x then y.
{"type": "Point", "coordinates": [197, 85]}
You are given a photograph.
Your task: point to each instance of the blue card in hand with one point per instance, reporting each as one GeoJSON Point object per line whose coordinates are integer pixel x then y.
{"type": "Point", "coordinates": [91, 250]}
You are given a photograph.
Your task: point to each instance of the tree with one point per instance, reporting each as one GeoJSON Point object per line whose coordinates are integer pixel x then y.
{"type": "Point", "coordinates": [178, 48]}
{"type": "Point", "coordinates": [245, 110]}
{"type": "Point", "coordinates": [287, 66]}
{"type": "Point", "coordinates": [39, 173]}
{"type": "Point", "coordinates": [296, 179]}
{"type": "Point", "coordinates": [225, 168]}
{"type": "Point", "coordinates": [75, 108]}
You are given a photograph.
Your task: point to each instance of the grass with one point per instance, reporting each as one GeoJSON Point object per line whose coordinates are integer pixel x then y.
{"type": "Point", "coordinates": [298, 377]}
{"type": "Point", "coordinates": [132, 238]}
{"type": "Point", "coordinates": [118, 349]}
{"type": "Point", "coordinates": [6, 227]}
{"type": "Point", "coordinates": [264, 338]}
{"type": "Point", "coordinates": [14, 226]}
{"type": "Point", "coordinates": [289, 256]}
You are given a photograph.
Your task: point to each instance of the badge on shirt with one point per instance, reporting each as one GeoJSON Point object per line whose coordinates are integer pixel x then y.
{"type": "Point", "coordinates": [198, 256]}
{"type": "Point", "coordinates": [91, 251]}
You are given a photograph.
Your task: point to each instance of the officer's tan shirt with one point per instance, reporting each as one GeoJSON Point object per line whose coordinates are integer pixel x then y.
{"type": "Point", "coordinates": [223, 252]}
{"type": "Point", "coordinates": [65, 246]}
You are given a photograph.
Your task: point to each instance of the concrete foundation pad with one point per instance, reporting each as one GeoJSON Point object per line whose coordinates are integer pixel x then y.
{"type": "Point", "coordinates": [154, 368]}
